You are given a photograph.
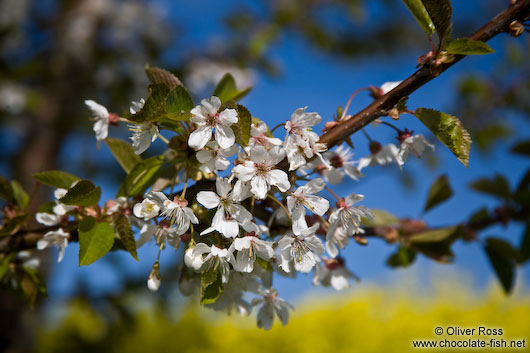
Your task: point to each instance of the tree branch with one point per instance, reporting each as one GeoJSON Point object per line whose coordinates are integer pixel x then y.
{"type": "Point", "coordinates": [500, 23]}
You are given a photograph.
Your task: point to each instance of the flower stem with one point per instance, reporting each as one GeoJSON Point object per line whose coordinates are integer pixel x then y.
{"type": "Point", "coordinates": [367, 136]}
{"type": "Point", "coordinates": [183, 195]}
{"type": "Point", "coordinates": [281, 205]}
{"type": "Point", "coordinates": [332, 193]}
{"type": "Point", "coordinates": [350, 100]}
{"type": "Point", "coordinates": [162, 138]}
{"type": "Point", "coordinates": [277, 126]}
{"type": "Point", "coordinates": [391, 125]}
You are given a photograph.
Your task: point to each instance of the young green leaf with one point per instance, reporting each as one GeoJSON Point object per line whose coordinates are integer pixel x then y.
{"type": "Point", "coordinates": [178, 104]}
{"type": "Point", "coordinates": [211, 284]}
{"type": "Point", "coordinates": [449, 130]}
{"type": "Point", "coordinates": [158, 75]}
{"type": "Point", "coordinates": [56, 179]}
{"type": "Point", "coordinates": [403, 257]}
{"type": "Point", "coordinates": [440, 12]}
{"type": "Point", "coordinates": [502, 258]}
{"type": "Point", "coordinates": [242, 128]}
{"type": "Point", "coordinates": [21, 197]}
{"type": "Point", "coordinates": [95, 240]}
{"type": "Point", "coordinates": [433, 236]}
{"type": "Point", "coordinates": [439, 192]}
{"type": "Point", "coordinates": [154, 106]}
{"type": "Point", "coordinates": [124, 153]}
{"type": "Point", "coordinates": [83, 193]}
{"type": "Point", "coordinates": [141, 177]}
{"type": "Point", "coordinates": [497, 186]}
{"type": "Point", "coordinates": [381, 218]}
{"type": "Point", "coordinates": [421, 15]}
{"type": "Point", "coordinates": [32, 284]}
{"type": "Point", "coordinates": [227, 90]}
{"type": "Point", "coordinates": [123, 227]}
{"type": "Point", "coordinates": [466, 46]}
{"type": "Point", "coordinates": [6, 190]}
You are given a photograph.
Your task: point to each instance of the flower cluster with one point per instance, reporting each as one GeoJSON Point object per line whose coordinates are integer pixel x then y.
{"type": "Point", "coordinates": [255, 207]}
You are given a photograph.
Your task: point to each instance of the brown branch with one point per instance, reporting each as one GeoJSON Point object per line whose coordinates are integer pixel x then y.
{"type": "Point", "coordinates": [500, 23]}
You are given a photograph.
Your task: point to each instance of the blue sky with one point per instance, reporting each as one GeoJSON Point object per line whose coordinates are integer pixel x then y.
{"type": "Point", "coordinates": [321, 82]}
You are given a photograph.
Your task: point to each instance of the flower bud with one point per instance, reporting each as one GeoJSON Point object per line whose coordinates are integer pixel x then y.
{"type": "Point", "coordinates": [515, 29]}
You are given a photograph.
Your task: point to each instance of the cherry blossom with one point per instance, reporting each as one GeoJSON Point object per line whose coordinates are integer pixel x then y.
{"type": "Point", "coordinates": [411, 143]}
{"type": "Point", "coordinates": [176, 211]}
{"type": "Point", "coordinates": [304, 198]}
{"type": "Point", "coordinates": [349, 216]}
{"type": "Point", "coordinates": [271, 304]}
{"type": "Point", "coordinates": [261, 172]}
{"type": "Point", "coordinates": [214, 257]}
{"type": "Point", "coordinates": [207, 118]}
{"type": "Point", "coordinates": [57, 238]}
{"type": "Point", "coordinates": [214, 158]}
{"type": "Point", "coordinates": [379, 155]}
{"type": "Point", "coordinates": [303, 249]}
{"type": "Point", "coordinates": [248, 249]}
{"type": "Point", "coordinates": [332, 272]}
{"type": "Point", "coordinates": [143, 135]}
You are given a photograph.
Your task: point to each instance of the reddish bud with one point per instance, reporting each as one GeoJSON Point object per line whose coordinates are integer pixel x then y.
{"type": "Point", "coordinates": [375, 147]}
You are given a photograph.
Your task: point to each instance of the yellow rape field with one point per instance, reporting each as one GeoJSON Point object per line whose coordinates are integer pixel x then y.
{"type": "Point", "coordinates": [367, 319]}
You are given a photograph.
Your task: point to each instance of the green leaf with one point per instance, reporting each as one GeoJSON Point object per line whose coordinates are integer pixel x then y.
{"type": "Point", "coordinates": [524, 183]}
{"type": "Point", "coordinates": [123, 227]}
{"type": "Point", "coordinates": [83, 193]}
{"type": "Point", "coordinates": [449, 130]}
{"type": "Point", "coordinates": [19, 194]}
{"type": "Point", "coordinates": [439, 192]}
{"type": "Point", "coordinates": [5, 260]}
{"type": "Point", "coordinates": [32, 285]}
{"type": "Point", "coordinates": [524, 249]}
{"type": "Point", "coordinates": [154, 106]}
{"type": "Point", "coordinates": [95, 240]}
{"type": "Point", "coordinates": [421, 15]}
{"type": "Point", "coordinates": [13, 225]}
{"type": "Point", "coordinates": [242, 128]}
{"type": "Point", "coordinates": [227, 90]}
{"type": "Point", "coordinates": [178, 104]}
{"type": "Point", "coordinates": [381, 218]}
{"type": "Point", "coordinates": [211, 284]}
{"type": "Point", "coordinates": [56, 179]}
{"type": "Point", "coordinates": [141, 177]}
{"type": "Point", "coordinates": [433, 236]}
{"type": "Point", "coordinates": [158, 75]}
{"type": "Point", "coordinates": [479, 216]}
{"type": "Point", "coordinates": [124, 153]}
{"type": "Point", "coordinates": [522, 148]}
{"type": "Point", "coordinates": [404, 257]}
{"type": "Point", "coordinates": [440, 12]}
{"type": "Point", "coordinates": [6, 190]}
{"type": "Point", "coordinates": [466, 46]}
{"type": "Point", "coordinates": [502, 257]}
{"type": "Point", "coordinates": [497, 186]}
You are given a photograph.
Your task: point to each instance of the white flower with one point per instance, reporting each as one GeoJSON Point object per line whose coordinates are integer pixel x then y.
{"type": "Point", "coordinates": [411, 144]}
{"type": "Point", "coordinates": [146, 210]}
{"type": "Point", "coordinates": [340, 160]}
{"type": "Point", "coordinates": [154, 280]}
{"type": "Point", "coordinates": [57, 238]}
{"type": "Point", "coordinates": [249, 247]}
{"type": "Point", "coordinates": [214, 158]}
{"type": "Point", "coordinates": [60, 208]}
{"type": "Point", "coordinates": [176, 211]}
{"type": "Point", "coordinates": [332, 272]}
{"type": "Point", "coordinates": [48, 219]}
{"type": "Point", "coordinates": [261, 173]}
{"type": "Point", "coordinates": [379, 155]}
{"type": "Point", "coordinates": [258, 136]}
{"type": "Point", "coordinates": [232, 296]}
{"type": "Point", "coordinates": [271, 304]}
{"type": "Point", "coordinates": [143, 135]}
{"type": "Point", "coordinates": [388, 86]}
{"type": "Point", "coordinates": [136, 106]}
{"type": "Point", "coordinates": [303, 198]}
{"type": "Point", "coordinates": [207, 117]}
{"type": "Point", "coordinates": [336, 236]}
{"type": "Point", "coordinates": [301, 123]}
{"type": "Point", "coordinates": [28, 259]}
{"type": "Point", "coordinates": [162, 232]}
{"type": "Point", "coordinates": [229, 213]}
{"type": "Point", "coordinates": [348, 216]}
{"type": "Point", "coordinates": [303, 249]}
{"type": "Point", "coordinates": [215, 257]}
{"type": "Point", "coordinates": [101, 116]}
{"type": "Point", "coordinates": [300, 140]}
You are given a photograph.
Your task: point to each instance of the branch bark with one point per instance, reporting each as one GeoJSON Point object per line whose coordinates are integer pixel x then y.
{"type": "Point", "coordinates": [500, 23]}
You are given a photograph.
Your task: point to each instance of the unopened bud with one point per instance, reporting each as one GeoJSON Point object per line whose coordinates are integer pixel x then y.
{"type": "Point", "coordinates": [394, 113]}
{"type": "Point", "coordinates": [360, 240]}
{"type": "Point", "coordinates": [114, 118]}
{"type": "Point", "coordinates": [515, 29]}
{"type": "Point", "coordinates": [375, 147]}
{"type": "Point", "coordinates": [154, 279]}
{"type": "Point", "coordinates": [330, 125]}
